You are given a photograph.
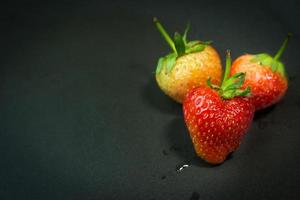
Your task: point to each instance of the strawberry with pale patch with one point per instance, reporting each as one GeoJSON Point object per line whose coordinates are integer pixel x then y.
{"type": "Point", "coordinates": [266, 76]}
{"type": "Point", "coordinates": [218, 117]}
{"type": "Point", "coordinates": [188, 66]}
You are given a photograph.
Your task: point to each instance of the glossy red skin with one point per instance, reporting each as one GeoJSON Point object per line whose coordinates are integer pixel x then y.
{"type": "Point", "coordinates": [267, 87]}
{"type": "Point", "coordinates": [216, 126]}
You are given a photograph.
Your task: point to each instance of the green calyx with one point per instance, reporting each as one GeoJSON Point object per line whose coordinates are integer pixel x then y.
{"type": "Point", "coordinates": [180, 46]}
{"type": "Point", "coordinates": [276, 65]}
{"type": "Point", "coordinates": [231, 86]}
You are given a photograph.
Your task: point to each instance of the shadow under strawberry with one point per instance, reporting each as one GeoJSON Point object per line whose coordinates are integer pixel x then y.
{"type": "Point", "coordinates": [259, 115]}
{"type": "Point", "coordinates": [153, 97]}
{"type": "Point", "coordinates": [181, 145]}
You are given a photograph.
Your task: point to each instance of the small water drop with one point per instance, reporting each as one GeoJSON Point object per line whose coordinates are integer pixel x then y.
{"type": "Point", "coordinates": [181, 167]}
{"type": "Point", "coordinates": [163, 177]}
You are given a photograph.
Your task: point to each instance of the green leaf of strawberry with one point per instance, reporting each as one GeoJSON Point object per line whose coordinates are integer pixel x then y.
{"type": "Point", "coordinates": [170, 60]}
{"type": "Point", "coordinates": [215, 87]}
{"type": "Point", "coordinates": [159, 65]}
{"type": "Point", "coordinates": [167, 61]}
{"type": "Point", "coordinates": [180, 46]}
{"type": "Point", "coordinates": [195, 48]}
{"type": "Point", "coordinates": [265, 59]}
{"type": "Point", "coordinates": [185, 33]}
{"type": "Point", "coordinates": [231, 86]}
{"type": "Point", "coordinates": [234, 82]}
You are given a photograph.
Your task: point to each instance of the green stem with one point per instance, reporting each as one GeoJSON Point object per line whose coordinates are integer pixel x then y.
{"type": "Point", "coordinates": [283, 47]}
{"type": "Point", "coordinates": [227, 68]}
{"type": "Point", "coordinates": [164, 34]}
{"type": "Point", "coordinates": [185, 33]}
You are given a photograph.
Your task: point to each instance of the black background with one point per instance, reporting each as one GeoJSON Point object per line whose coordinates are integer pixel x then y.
{"type": "Point", "coordinates": [82, 118]}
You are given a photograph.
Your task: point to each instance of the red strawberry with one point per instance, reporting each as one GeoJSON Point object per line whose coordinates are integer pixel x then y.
{"type": "Point", "coordinates": [266, 76]}
{"type": "Point", "coordinates": [218, 117]}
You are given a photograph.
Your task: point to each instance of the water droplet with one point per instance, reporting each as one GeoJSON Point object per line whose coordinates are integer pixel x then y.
{"type": "Point", "coordinates": [181, 167]}
{"type": "Point", "coordinates": [163, 177]}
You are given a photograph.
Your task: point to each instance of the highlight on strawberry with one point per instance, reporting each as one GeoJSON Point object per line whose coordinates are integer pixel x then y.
{"type": "Point", "coordinates": [188, 66]}
{"type": "Point", "coordinates": [265, 74]}
{"type": "Point", "coordinates": [218, 117]}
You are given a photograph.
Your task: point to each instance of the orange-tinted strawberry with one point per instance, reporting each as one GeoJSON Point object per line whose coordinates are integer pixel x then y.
{"type": "Point", "coordinates": [218, 117]}
{"type": "Point", "coordinates": [187, 67]}
{"type": "Point", "coordinates": [266, 76]}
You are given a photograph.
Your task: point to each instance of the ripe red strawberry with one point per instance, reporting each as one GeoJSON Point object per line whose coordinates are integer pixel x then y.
{"type": "Point", "coordinates": [218, 117]}
{"type": "Point", "coordinates": [188, 65]}
{"type": "Point", "coordinates": [266, 76]}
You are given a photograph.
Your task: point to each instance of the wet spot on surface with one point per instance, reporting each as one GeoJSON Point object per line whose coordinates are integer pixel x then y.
{"type": "Point", "coordinates": [163, 177]}
{"type": "Point", "coordinates": [165, 153]}
{"type": "Point", "coordinates": [174, 148]}
{"type": "Point", "coordinates": [195, 196]}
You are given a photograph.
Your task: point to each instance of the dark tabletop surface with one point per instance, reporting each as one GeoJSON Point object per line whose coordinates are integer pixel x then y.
{"type": "Point", "coordinates": [82, 118]}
